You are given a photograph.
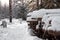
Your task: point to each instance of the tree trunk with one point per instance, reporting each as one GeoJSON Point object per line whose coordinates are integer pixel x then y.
{"type": "Point", "coordinates": [37, 4]}
{"type": "Point", "coordinates": [10, 10]}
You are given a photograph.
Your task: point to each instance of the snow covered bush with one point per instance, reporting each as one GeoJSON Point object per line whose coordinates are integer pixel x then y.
{"type": "Point", "coordinates": [4, 24]}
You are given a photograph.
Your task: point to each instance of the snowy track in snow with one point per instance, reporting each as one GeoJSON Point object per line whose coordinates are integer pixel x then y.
{"type": "Point", "coordinates": [16, 31]}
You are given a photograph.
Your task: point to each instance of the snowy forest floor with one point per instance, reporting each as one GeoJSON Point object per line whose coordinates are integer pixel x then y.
{"type": "Point", "coordinates": [16, 31]}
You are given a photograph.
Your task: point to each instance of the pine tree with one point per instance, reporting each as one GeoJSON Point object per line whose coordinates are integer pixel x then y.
{"type": "Point", "coordinates": [23, 10]}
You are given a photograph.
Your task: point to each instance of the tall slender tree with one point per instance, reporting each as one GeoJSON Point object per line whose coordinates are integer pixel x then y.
{"type": "Point", "coordinates": [10, 10]}
{"type": "Point", "coordinates": [37, 4]}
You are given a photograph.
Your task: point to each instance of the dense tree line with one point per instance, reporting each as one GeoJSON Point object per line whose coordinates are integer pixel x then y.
{"type": "Point", "coordinates": [4, 11]}
{"type": "Point", "coordinates": [50, 4]}
{"type": "Point", "coordinates": [22, 10]}
{"type": "Point", "coordinates": [18, 10]}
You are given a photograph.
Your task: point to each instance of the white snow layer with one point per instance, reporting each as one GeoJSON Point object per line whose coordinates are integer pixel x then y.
{"type": "Point", "coordinates": [16, 31]}
{"type": "Point", "coordinates": [42, 12]}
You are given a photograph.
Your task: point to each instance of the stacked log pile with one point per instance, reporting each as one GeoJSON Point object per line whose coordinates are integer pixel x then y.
{"type": "Point", "coordinates": [41, 33]}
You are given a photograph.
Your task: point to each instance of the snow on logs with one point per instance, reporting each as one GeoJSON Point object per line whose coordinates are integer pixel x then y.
{"type": "Point", "coordinates": [51, 17]}
{"type": "Point", "coordinates": [55, 24]}
{"type": "Point", "coordinates": [46, 15]}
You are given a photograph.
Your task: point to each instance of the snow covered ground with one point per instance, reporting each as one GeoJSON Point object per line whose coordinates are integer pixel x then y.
{"type": "Point", "coordinates": [16, 31]}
